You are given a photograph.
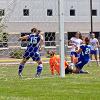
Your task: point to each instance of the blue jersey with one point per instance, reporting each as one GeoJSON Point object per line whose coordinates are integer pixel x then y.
{"type": "Point", "coordinates": [33, 47]}
{"type": "Point", "coordinates": [85, 54]}
{"type": "Point", "coordinates": [33, 42]}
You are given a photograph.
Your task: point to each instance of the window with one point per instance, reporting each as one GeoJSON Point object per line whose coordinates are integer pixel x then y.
{"type": "Point", "coordinates": [2, 12]}
{"type": "Point", "coordinates": [72, 12]}
{"type": "Point", "coordinates": [70, 35]}
{"type": "Point", "coordinates": [50, 39]}
{"type": "Point", "coordinates": [94, 12]}
{"type": "Point", "coordinates": [25, 12]}
{"type": "Point", "coordinates": [49, 12]}
{"type": "Point", "coordinates": [97, 34]}
{"type": "Point", "coordinates": [24, 43]}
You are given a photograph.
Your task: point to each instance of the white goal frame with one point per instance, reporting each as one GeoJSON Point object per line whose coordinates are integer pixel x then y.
{"type": "Point", "coordinates": [61, 32]}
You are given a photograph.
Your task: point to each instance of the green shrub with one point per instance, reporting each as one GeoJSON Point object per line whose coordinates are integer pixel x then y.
{"type": "Point", "coordinates": [16, 54]}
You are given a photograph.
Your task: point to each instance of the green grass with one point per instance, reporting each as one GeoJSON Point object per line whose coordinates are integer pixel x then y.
{"type": "Point", "coordinates": [72, 87]}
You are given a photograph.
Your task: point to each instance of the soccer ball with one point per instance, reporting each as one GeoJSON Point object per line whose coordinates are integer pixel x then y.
{"type": "Point", "coordinates": [71, 66]}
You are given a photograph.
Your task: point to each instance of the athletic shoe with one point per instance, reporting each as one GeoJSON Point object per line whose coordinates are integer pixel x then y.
{"type": "Point", "coordinates": [37, 74]}
{"type": "Point", "coordinates": [71, 66]}
{"type": "Point", "coordinates": [20, 75]}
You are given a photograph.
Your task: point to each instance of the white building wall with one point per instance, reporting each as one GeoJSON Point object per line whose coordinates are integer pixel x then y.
{"type": "Point", "coordinates": [38, 15]}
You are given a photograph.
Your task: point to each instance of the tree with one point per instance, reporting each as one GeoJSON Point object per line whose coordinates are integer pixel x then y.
{"type": "Point", "coordinates": [3, 35]}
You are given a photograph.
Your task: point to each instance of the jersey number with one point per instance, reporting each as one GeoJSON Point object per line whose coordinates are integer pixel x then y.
{"type": "Point", "coordinates": [33, 40]}
{"type": "Point", "coordinates": [87, 51]}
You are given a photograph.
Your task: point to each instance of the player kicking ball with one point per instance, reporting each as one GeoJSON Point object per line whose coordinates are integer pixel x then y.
{"type": "Point", "coordinates": [84, 58]}
{"type": "Point", "coordinates": [34, 42]}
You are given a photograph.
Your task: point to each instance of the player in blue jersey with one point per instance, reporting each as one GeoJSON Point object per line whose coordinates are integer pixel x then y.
{"type": "Point", "coordinates": [35, 41]}
{"type": "Point", "coordinates": [84, 56]}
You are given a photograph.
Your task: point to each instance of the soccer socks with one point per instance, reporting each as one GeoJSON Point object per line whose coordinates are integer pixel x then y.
{"type": "Point", "coordinates": [21, 66]}
{"type": "Point", "coordinates": [39, 69]}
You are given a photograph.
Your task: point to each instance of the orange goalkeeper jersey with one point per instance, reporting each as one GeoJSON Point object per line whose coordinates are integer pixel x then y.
{"type": "Point", "coordinates": [55, 64]}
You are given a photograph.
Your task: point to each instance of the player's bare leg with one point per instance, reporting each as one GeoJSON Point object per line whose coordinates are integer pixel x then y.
{"type": "Point", "coordinates": [96, 58]}
{"type": "Point", "coordinates": [89, 63]}
{"type": "Point", "coordinates": [72, 62]}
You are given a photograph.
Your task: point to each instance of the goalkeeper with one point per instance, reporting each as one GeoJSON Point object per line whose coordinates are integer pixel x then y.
{"type": "Point", "coordinates": [55, 64]}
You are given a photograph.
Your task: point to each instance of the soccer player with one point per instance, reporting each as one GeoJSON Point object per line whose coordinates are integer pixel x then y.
{"type": "Point", "coordinates": [55, 64]}
{"type": "Point", "coordinates": [75, 43]}
{"type": "Point", "coordinates": [84, 58]}
{"type": "Point", "coordinates": [35, 40]}
{"type": "Point", "coordinates": [94, 47]}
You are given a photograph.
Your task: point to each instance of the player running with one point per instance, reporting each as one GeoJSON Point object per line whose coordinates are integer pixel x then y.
{"type": "Point", "coordinates": [35, 41]}
{"type": "Point", "coordinates": [94, 47]}
{"type": "Point", "coordinates": [84, 58]}
{"type": "Point", "coordinates": [75, 43]}
{"type": "Point", "coordinates": [55, 64]}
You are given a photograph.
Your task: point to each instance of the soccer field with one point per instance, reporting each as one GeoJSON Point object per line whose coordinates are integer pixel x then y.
{"type": "Point", "coordinates": [72, 87]}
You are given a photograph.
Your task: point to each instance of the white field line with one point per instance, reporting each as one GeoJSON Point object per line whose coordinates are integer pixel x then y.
{"type": "Point", "coordinates": [32, 78]}
{"type": "Point", "coordinates": [41, 77]}
{"type": "Point", "coordinates": [45, 62]}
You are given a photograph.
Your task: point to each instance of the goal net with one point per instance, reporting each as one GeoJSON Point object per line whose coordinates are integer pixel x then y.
{"type": "Point", "coordinates": [57, 19]}
{"type": "Point", "coordinates": [45, 15]}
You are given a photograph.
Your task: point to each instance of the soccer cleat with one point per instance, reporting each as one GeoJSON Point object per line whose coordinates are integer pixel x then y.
{"type": "Point", "coordinates": [37, 74]}
{"type": "Point", "coordinates": [20, 75]}
{"type": "Point", "coordinates": [86, 72]}
{"type": "Point", "coordinates": [71, 66]}
{"type": "Point", "coordinates": [98, 64]}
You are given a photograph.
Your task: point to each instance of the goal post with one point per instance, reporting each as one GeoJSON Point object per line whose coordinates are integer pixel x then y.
{"type": "Point", "coordinates": [61, 34]}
